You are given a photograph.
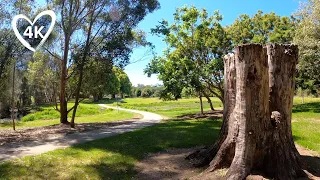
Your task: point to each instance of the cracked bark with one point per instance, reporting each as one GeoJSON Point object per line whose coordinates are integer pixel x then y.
{"type": "Point", "coordinates": [256, 130]}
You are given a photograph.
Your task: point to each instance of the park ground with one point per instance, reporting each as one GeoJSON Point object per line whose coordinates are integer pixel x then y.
{"type": "Point", "coordinates": [159, 149]}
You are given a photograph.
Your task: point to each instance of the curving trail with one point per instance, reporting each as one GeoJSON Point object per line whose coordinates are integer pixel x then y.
{"type": "Point", "coordinates": [21, 149]}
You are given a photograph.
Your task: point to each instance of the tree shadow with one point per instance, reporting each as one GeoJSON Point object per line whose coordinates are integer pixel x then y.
{"type": "Point", "coordinates": [211, 115]}
{"type": "Point", "coordinates": [307, 107]}
{"type": "Point", "coordinates": [138, 144]}
{"type": "Point", "coordinates": [312, 164]}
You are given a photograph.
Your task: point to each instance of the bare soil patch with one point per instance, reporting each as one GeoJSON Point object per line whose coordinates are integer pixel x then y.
{"type": "Point", "coordinates": [171, 164]}
{"type": "Point", "coordinates": [41, 133]}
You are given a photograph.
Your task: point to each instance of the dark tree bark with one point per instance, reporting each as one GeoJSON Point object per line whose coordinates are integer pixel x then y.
{"type": "Point", "coordinates": [282, 160]}
{"type": "Point", "coordinates": [256, 131]}
{"type": "Point", "coordinates": [63, 83]}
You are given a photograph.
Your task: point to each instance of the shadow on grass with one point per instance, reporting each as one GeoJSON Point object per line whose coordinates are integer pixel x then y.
{"type": "Point", "coordinates": [212, 115]}
{"type": "Point", "coordinates": [312, 164]}
{"type": "Point", "coordinates": [308, 107]}
{"type": "Point", "coordinates": [115, 157]}
{"type": "Point", "coordinates": [137, 144]}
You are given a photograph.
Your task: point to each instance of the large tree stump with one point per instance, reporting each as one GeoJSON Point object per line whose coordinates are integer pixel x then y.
{"type": "Point", "coordinates": [256, 132]}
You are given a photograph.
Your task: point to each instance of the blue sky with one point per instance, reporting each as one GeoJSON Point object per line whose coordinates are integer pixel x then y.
{"type": "Point", "coordinates": [230, 9]}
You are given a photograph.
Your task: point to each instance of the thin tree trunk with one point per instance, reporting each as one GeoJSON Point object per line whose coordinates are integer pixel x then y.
{"type": "Point", "coordinates": [201, 104]}
{"type": "Point", "coordinates": [84, 57]}
{"type": "Point", "coordinates": [12, 96]}
{"type": "Point", "coordinates": [63, 82]}
{"type": "Point", "coordinates": [209, 101]}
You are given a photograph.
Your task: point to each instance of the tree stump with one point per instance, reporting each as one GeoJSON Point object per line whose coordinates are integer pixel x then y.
{"type": "Point", "coordinates": [256, 130]}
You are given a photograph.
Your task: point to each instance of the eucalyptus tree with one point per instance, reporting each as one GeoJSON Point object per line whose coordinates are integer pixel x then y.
{"type": "Point", "coordinates": [82, 24]}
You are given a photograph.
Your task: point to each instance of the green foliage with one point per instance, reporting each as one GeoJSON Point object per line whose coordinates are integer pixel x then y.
{"type": "Point", "coordinates": [262, 28]}
{"type": "Point", "coordinates": [139, 92]}
{"type": "Point", "coordinates": [146, 92]}
{"type": "Point", "coordinates": [196, 43]}
{"type": "Point", "coordinates": [307, 38]}
{"type": "Point", "coordinates": [125, 84]}
{"type": "Point", "coordinates": [42, 77]}
{"type": "Point", "coordinates": [45, 114]}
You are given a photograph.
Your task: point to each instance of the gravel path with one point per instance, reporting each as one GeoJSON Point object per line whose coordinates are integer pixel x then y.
{"type": "Point", "coordinates": [21, 149]}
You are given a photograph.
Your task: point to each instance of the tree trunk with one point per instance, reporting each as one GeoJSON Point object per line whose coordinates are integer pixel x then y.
{"type": "Point", "coordinates": [63, 82]}
{"type": "Point", "coordinates": [209, 101]}
{"type": "Point", "coordinates": [256, 131]}
{"type": "Point", "coordinates": [81, 66]}
{"type": "Point", "coordinates": [201, 104]}
{"type": "Point", "coordinates": [113, 96]}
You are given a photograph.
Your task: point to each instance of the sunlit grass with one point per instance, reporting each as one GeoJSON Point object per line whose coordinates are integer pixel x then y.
{"type": "Point", "coordinates": [113, 157]}
{"type": "Point", "coordinates": [106, 115]}
{"type": "Point", "coordinates": [169, 109]}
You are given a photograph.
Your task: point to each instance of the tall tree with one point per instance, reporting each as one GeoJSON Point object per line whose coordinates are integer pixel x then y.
{"type": "Point", "coordinates": [91, 20]}
{"type": "Point", "coordinates": [307, 37]}
{"type": "Point", "coordinates": [125, 84]}
{"type": "Point", "coordinates": [196, 43]}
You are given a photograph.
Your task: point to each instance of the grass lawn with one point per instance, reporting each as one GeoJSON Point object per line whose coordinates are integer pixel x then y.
{"type": "Point", "coordinates": [169, 109]}
{"type": "Point", "coordinates": [305, 125]}
{"type": "Point", "coordinates": [86, 113]}
{"type": "Point", "coordinates": [306, 122]}
{"type": "Point", "coordinates": [114, 157]}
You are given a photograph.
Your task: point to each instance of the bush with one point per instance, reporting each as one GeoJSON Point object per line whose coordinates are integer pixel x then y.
{"type": "Point", "coordinates": [146, 92]}
{"type": "Point", "coordinates": [27, 118]}
{"type": "Point", "coordinates": [45, 114]}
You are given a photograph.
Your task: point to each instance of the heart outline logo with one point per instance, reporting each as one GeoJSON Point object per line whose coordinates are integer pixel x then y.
{"type": "Point", "coordinates": [21, 16]}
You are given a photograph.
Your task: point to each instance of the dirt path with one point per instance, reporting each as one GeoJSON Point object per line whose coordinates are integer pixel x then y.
{"type": "Point", "coordinates": [48, 143]}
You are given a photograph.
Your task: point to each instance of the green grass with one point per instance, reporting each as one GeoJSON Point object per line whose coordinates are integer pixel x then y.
{"type": "Point", "coordinates": [102, 115]}
{"type": "Point", "coordinates": [48, 112]}
{"type": "Point", "coordinates": [306, 123]}
{"type": "Point", "coordinates": [113, 157]}
{"type": "Point", "coordinates": [305, 126]}
{"type": "Point", "coordinates": [169, 109]}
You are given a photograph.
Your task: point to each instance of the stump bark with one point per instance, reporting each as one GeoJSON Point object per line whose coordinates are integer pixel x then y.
{"type": "Point", "coordinates": [256, 130]}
